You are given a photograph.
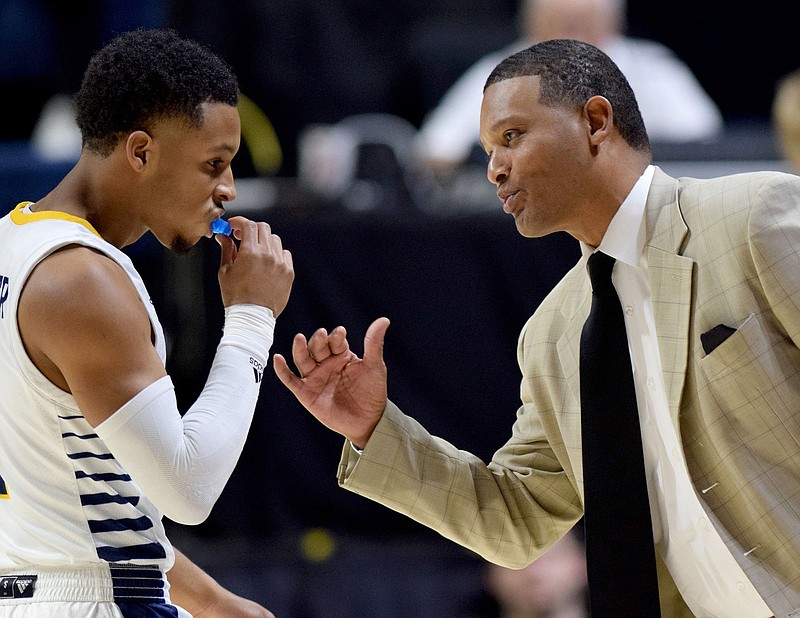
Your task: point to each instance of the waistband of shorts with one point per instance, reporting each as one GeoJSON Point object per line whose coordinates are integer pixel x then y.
{"type": "Point", "coordinates": [90, 583]}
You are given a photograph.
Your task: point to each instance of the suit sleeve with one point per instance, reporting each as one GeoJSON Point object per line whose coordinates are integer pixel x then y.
{"type": "Point", "coordinates": [509, 511]}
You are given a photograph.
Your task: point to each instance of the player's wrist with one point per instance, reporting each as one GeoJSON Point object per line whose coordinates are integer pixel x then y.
{"type": "Point", "coordinates": [249, 327]}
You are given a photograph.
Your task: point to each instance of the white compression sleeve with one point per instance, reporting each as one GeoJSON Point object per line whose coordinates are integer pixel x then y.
{"type": "Point", "coordinates": [183, 463]}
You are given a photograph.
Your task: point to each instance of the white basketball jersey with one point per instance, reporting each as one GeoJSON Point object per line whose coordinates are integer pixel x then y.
{"type": "Point", "coordinates": [64, 499]}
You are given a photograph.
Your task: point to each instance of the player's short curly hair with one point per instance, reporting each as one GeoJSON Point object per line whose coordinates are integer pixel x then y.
{"type": "Point", "coordinates": [146, 75]}
{"type": "Point", "coordinates": [571, 72]}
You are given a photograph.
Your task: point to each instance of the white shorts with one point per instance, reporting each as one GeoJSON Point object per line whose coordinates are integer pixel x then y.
{"type": "Point", "coordinates": [97, 591]}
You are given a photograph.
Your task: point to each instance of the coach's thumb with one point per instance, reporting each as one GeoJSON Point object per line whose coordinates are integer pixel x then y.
{"type": "Point", "coordinates": [373, 341]}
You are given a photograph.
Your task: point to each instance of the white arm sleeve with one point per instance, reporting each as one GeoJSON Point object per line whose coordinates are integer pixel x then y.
{"type": "Point", "coordinates": [183, 463]}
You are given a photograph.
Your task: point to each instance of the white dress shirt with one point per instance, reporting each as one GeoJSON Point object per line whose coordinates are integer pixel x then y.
{"type": "Point", "coordinates": [708, 577]}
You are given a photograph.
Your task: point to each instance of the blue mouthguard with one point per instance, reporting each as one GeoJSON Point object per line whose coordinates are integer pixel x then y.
{"type": "Point", "coordinates": [220, 226]}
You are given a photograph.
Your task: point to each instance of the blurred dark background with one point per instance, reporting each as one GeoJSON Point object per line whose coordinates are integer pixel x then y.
{"type": "Point", "coordinates": [318, 61]}
{"type": "Point", "coordinates": [441, 262]}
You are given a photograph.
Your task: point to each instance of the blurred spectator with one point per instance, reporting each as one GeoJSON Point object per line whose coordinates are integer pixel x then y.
{"type": "Point", "coordinates": [552, 587]}
{"type": "Point", "coordinates": [786, 118]}
{"type": "Point", "coordinates": [674, 106]}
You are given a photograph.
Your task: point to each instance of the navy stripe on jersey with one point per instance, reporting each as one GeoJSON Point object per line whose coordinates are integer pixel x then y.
{"type": "Point", "coordinates": [89, 499]}
{"type": "Point", "coordinates": [118, 525]}
{"type": "Point", "coordinates": [121, 529]}
{"type": "Point", "coordinates": [87, 455]}
{"type": "Point", "coordinates": [72, 434]}
{"type": "Point", "coordinates": [148, 551]}
{"type": "Point", "coordinates": [102, 476]}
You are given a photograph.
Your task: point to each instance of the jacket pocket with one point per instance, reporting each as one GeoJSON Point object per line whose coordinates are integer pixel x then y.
{"type": "Point", "coordinates": [753, 378]}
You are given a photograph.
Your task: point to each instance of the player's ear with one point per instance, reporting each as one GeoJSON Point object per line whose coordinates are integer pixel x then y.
{"type": "Point", "coordinates": [137, 149]}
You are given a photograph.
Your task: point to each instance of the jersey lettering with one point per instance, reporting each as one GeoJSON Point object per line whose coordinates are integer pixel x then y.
{"type": "Point", "coordinates": [3, 490]}
{"type": "Point", "coordinates": [3, 294]}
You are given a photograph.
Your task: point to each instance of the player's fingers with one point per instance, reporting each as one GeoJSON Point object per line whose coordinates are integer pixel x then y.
{"type": "Point", "coordinates": [242, 227]}
{"type": "Point", "coordinates": [227, 254]}
{"type": "Point", "coordinates": [267, 236]}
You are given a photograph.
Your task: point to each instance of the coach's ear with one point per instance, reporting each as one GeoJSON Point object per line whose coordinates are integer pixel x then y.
{"type": "Point", "coordinates": [599, 117]}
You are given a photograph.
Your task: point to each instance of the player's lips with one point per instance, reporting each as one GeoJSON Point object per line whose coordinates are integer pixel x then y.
{"type": "Point", "coordinates": [507, 198]}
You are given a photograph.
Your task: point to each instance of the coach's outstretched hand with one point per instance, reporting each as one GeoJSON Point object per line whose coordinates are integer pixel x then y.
{"type": "Point", "coordinates": [344, 392]}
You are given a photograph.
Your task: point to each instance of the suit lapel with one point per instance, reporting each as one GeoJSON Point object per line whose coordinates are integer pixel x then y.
{"type": "Point", "coordinates": [670, 283]}
{"type": "Point", "coordinates": [671, 287]}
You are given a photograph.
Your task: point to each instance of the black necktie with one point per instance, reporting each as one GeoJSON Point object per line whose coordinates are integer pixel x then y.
{"type": "Point", "coordinates": [620, 554]}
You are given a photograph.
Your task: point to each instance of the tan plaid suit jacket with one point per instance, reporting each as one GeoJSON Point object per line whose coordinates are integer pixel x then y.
{"type": "Point", "coordinates": [720, 251]}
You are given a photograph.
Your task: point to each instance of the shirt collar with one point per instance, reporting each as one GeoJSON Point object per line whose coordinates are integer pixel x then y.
{"type": "Point", "coordinates": [625, 237]}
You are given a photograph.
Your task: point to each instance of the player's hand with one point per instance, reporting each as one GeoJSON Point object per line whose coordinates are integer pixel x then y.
{"type": "Point", "coordinates": [229, 605]}
{"type": "Point", "coordinates": [344, 392]}
{"type": "Point", "coordinates": [259, 270]}
{"type": "Point", "coordinates": [203, 597]}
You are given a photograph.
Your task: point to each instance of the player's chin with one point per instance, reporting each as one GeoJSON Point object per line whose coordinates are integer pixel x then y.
{"type": "Point", "coordinates": [182, 245]}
